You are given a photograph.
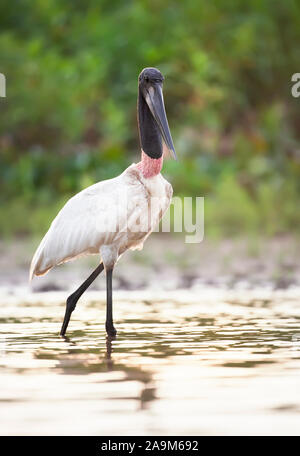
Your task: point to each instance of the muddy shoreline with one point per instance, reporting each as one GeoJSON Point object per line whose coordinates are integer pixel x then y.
{"type": "Point", "coordinates": [167, 263]}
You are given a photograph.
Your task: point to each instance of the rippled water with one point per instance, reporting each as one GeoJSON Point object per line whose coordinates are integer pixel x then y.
{"type": "Point", "coordinates": [183, 363]}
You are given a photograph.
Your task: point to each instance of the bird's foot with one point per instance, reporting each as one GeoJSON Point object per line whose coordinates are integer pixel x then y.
{"type": "Point", "coordinates": [111, 330]}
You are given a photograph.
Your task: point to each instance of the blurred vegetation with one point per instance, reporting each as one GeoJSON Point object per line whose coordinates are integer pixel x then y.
{"type": "Point", "coordinates": [69, 118]}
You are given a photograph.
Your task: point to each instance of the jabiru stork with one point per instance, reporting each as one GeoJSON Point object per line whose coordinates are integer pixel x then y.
{"type": "Point", "coordinates": [112, 216]}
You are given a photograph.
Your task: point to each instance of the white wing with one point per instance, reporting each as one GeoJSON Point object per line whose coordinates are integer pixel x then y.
{"type": "Point", "coordinates": [115, 212]}
{"type": "Point", "coordinates": [96, 216]}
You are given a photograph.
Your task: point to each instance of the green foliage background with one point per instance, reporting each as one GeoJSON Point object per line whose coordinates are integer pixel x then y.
{"type": "Point", "coordinates": [69, 118]}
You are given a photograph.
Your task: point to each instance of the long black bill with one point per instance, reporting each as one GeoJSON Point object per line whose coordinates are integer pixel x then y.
{"type": "Point", "coordinates": [155, 101]}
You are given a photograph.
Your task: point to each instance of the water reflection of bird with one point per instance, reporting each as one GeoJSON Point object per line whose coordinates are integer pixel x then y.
{"type": "Point", "coordinates": [109, 361]}
{"type": "Point", "coordinates": [115, 215]}
{"type": "Point", "coordinates": [147, 391]}
{"type": "Point", "coordinates": [82, 360]}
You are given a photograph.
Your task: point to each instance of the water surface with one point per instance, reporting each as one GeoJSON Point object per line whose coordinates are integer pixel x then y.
{"type": "Point", "coordinates": [202, 362]}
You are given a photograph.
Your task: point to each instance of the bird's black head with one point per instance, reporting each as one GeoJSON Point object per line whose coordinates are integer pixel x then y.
{"type": "Point", "coordinates": [152, 118]}
{"type": "Point", "coordinates": [150, 76]}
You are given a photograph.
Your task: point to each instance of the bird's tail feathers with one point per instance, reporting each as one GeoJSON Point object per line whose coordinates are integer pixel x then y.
{"type": "Point", "coordinates": [37, 268]}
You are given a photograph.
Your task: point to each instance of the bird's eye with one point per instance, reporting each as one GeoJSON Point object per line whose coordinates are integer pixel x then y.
{"type": "Point", "coordinates": [146, 78]}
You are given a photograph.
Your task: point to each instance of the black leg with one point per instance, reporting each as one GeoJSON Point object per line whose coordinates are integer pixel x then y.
{"type": "Point", "coordinates": [109, 317]}
{"type": "Point", "coordinates": [73, 298]}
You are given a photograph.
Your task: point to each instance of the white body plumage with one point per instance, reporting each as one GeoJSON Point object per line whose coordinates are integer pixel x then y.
{"type": "Point", "coordinates": [106, 218]}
